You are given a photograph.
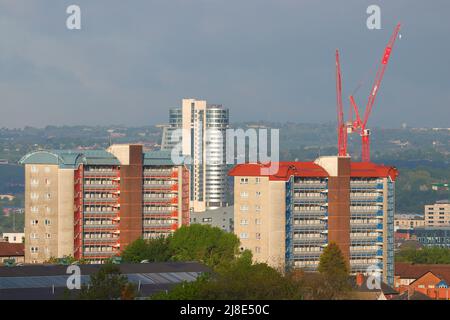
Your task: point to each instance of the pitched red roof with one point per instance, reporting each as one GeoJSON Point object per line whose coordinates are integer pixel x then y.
{"type": "Point", "coordinates": [12, 249]}
{"type": "Point", "coordinates": [311, 169]}
{"type": "Point", "coordinates": [415, 271]}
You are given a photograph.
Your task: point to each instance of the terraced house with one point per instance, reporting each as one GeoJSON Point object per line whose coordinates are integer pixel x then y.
{"type": "Point", "coordinates": [287, 218]}
{"type": "Point", "coordinates": [92, 203]}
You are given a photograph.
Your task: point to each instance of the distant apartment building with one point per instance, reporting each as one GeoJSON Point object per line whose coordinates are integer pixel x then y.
{"type": "Point", "coordinates": [91, 204]}
{"type": "Point", "coordinates": [408, 221]}
{"type": "Point", "coordinates": [438, 214]}
{"type": "Point", "coordinates": [221, 218]}
{"type": "Point", "coordinates": [203, 142]}
{"type": "Point", "coordinates": [432, 236]}
{"type": "Point", "coordinates": [286, 219]}
{"type": "Point", "coordinates": [13, 237]}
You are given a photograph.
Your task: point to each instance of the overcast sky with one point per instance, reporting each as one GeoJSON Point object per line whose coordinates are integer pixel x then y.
{"type": "Point", "coordinates": [264, 60]}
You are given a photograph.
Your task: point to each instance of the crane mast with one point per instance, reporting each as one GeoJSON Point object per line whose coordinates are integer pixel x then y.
{"type": "Point", "coordinates": [341, 128]}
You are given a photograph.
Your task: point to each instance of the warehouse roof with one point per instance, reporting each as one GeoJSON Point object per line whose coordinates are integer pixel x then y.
{"type": "Point", "coordinates": [49, 281]}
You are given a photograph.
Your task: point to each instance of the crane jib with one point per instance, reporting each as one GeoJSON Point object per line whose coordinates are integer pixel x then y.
{"type": "Point", "coordinates": [387, 53]}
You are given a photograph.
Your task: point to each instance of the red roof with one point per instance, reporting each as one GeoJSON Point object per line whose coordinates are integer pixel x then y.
{"type": "Point", "coordinates": [415, 271]}
{"type": "Point", "coordinates": [311, 169]}
{"type": "Point", "coordinates": [12, 249]}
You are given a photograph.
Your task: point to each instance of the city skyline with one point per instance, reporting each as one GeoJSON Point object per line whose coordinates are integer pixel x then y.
{"type": "Point", "coordinates": [159, 53]}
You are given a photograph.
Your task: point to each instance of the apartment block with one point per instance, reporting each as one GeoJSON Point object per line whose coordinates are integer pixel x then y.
{"type": "Point", "coordinates": [92, 203]}
{"type": "Point", "coordinates": [203, 142]}
{"type": "Point", "coordinates": [408, 221]}
{"type": "Point", "coordinates": [287, 219]}
{"type": "Point", "coordinates": [438, 214]}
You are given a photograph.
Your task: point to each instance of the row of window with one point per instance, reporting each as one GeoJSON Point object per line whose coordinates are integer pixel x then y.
{"type": "Point", "coordinates": [35, 182]}
{"type": "Point", "coordinates": [35, 222]}
{"type": "Point", "coordinates": [244, 194]}
{"type": "Point", "coordinates": [35, 209]}
{"type": "Point", "coordinates": [35, 236]}
{"type": "Point", "coordinates": [245, 235]}
{"type": "Point", "coordinates": [247, 180]}
{"type": "Point", "coordinates": [35, 169]}
{"type": "Point", "coordinates": [244, 222]}
{"type": "Point", "coordinates": [245, 208]}
{"type": "Point", "coordinates": [35, 196]}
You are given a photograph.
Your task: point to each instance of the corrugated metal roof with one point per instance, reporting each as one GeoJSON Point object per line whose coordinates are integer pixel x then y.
{"type": "Point", "coordinates": [72, 158]}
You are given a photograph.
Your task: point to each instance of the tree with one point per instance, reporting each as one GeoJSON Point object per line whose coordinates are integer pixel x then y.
{"type": "Point", "coordinates": [153, 250]}
{"type": "Point", "coordinates": [334, 271]}
{"type": "Point", "coordinates": [107, 284]}
{"type": "Point", "coordinates": [427, 255]}
{"type": "Point", "coordinates": [203, 243]}
{"type": "Point", "coordinates": [237, 280]}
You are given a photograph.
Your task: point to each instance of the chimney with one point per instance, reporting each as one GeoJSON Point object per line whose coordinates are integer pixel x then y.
{"type": "Point", "coordinates": [359, 279]}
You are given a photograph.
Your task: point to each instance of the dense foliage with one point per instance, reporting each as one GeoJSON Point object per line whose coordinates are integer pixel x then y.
{"type": "Point", "coordinates": [426, 255]}
{"type": "Point", "coordinates": [152, 250]}
{"type": "Point", "coordinates": [201, 243]}
{"type": "Point", "coordinates": [106, 284]}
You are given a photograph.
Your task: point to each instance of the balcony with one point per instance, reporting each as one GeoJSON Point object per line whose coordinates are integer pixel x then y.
{"type": "Point", "coordinates": [159, 186]}
{"type": "Point", "coordinates": [112, 199]}
{"type": "Point", "coordinates": [99, 253]}
{"type": "Point", "coordinates": [162, 212]}
{"type": "Point", "coordinates": [100, 240]}
{"type": "Point", "coordinates": [309, 198]}
{"type": "Point", "coordinates": [100, 212]}
{"type": "Point", "coordinates": [318, 240]}
{"type": "Point", "coordinates": [101, 226]}
{"type": "Point", "coordinates": [366, 198]}
{"type": "Point", "coordinates": [100, 186]}
{"type": "Point", "coordinates": [309, 226]}
{"type": "Point", "coordinates": [94, 173]}
{"type": "Point", "coordinates": [366, 184]}
{"type": "Point", "coordinates": [301, 213]}
{"type": "Point", "coordinates": [161, 199]}
{"type": "Point", "coordinates": [315, 185]}
{"type": "Point", "coordinates": [154, 173]}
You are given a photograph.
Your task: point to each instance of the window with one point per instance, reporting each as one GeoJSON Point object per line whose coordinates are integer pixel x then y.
{"type": "Point", "coordinates": [258, 208]}
{"type": "Point", "coordinates": [257, 180]}
{"type": "Point", "coordinates": [244, 222]}
{"type": "Point", "coordinates": [48, 196]}
{"type": "Point", "coordinates": [34, 209]}
{"type": "Point", "coordinates": [47, 222]}
{"type": "Point", "coordinates": [258, 193]}
{"type": "Point", "coordinates": [257, 250]}
{"type": "Point", "coordinates": [34, 222]}
{"type": "Point", "coordinates": [33, 236]}
{"type": "Point", "coordinates": [258, 221]}
{"type": "Point", "coordinates": [244, 208]}
{"type": "Point", "coordinates": [244, 194]}
{"type": "Point", "coordinates": [258, 236]}
{"type": "Point", "coordinates": [34, 196]}
{"type": "Point", "coordinates": [34, 249]}
{"type": "Point", "coordinates": [48, 236]}
{"type": "Point", "coordinates": [207, 219]}
{"type": "Point", "coordinates": [34, 169]}
{"type": "Point", "coordinates": [47, 169]}
{"type": "Point", "coordinates": [244, 235]}
{"type": "Point", "coordinates": [244, 181]}
{"type": "Point", "coordinates": [47, 181]}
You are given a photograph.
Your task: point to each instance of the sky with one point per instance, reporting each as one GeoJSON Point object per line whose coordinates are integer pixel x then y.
{"type": "Point", "coordinates": [264, 60]}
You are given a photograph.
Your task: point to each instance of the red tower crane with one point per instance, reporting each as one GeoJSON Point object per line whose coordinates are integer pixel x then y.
{"type": "Point", "coordinates": [361, 125]}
